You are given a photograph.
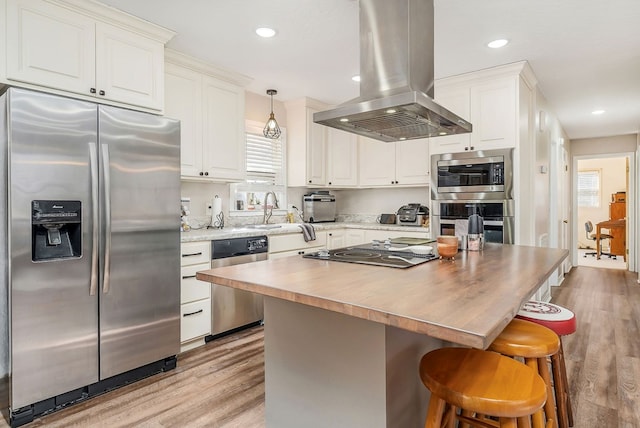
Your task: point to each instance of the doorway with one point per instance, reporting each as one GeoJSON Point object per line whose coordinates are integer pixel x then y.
{"type": "Point", "coordinates": [602, 195]}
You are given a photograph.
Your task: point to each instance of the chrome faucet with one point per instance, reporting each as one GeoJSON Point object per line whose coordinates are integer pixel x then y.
{"type": "Point", "coordinates": [266, 217]}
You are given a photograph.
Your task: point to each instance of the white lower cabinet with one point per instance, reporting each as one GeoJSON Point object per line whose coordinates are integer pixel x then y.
{"type": "Point", "coordinates": [294, 244]}
{"type": "Point", "coordinates": [195, 296]}
{"type": "Point", "coordinates": [381, 235]}
{"type": "Point", "coordinates": [345, 238]}
{"type": "Point", "coordinates": [195, 320]}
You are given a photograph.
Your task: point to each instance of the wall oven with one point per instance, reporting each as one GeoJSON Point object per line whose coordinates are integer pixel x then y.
{"type": "Point", "coordinates": [479, 175]}
{"type": "Point", "coordinates": [450, 217]}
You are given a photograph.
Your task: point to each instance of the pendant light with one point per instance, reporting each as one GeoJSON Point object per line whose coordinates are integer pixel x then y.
{"type": "Point", "coordinates": [271, 129]}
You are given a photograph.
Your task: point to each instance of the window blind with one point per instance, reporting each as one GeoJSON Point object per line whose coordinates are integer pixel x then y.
{"type": "Point", "coordinates": [265, 160]}
{"type": "Point", "coordinates": [589, 188]}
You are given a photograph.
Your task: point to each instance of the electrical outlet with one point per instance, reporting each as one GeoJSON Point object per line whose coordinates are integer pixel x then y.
{"type": "Point", "coordinates": [209, 208]}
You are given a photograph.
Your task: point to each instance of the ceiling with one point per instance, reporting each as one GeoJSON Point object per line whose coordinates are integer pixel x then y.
{"type": "Point", "coordinates": [585, 54]}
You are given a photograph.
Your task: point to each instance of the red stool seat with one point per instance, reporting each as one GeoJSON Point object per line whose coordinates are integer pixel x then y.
{"type": "Point", "coordinates": [561, 320]}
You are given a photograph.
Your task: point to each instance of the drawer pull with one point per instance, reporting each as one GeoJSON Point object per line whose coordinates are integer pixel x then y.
{"type": "Point", "coordinates": [194, 254]}
{"type": "Point", "coordinates": [192, 313]}
{"type": "Point", "coordinates": [188, 276]}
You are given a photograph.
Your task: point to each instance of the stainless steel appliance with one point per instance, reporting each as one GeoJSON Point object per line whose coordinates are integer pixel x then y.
{"type": "Point", "coordinates": [90, 242]}
{"type": "Point", "coordinates": [319, 206]}
{"type": "Point", "coordinates": [452, 218]}
{"type": "Point", "coordinates": [373, 254]}
{"type": "Point", "coordinates": [486, 174]}
{"type": "Point", "coordinates": [231, 308]}
{"type": "Point", "coordinates": [412, 215]}
{"type": "Point", "coordinates": [396, 69]}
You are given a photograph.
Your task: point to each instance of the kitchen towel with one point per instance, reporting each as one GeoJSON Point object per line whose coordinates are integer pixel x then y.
{"type": "Point", "coordinates": [308, 232]}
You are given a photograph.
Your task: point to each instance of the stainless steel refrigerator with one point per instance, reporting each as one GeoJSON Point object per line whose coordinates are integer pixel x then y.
{"type": "Point", "coordinates": [90, 245]}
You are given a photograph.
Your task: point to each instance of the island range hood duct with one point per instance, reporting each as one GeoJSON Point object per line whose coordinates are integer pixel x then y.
{"type": "Point", "coordinates": [396, 70]}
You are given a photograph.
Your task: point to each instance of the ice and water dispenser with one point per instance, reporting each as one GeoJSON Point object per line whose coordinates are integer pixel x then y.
{"type": "Point", "coordinates": [56, 230]}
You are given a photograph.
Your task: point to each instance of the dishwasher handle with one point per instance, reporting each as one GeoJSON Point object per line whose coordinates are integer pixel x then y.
{"type": "Point", "coordinates": [237, 259]}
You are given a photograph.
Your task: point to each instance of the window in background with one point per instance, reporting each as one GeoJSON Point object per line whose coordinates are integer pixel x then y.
{"type": "Point", "coordinates": [589, 188]}
{"type": "Point", "coordinates": [265, 172]}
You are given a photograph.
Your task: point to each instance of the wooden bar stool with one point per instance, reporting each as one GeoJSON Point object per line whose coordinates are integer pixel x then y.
{"type": "Point", "coordinates": [481, 384]}
{"type": "Point", "coordinates": [534, 343]}
{"type": "Point", "coordinates": [563, 322]}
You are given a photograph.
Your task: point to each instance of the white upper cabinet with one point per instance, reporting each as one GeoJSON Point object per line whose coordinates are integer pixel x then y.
{"type": "Point", "coordinates": [404, 163]}
{"type": "Point", "coordinates": [306, 144]}
{"type": "Point", "coordinates": [342, 158]}
{"type": "Point", "coordinates": [377, 162]}
{"type": "Point", "coordinates": [209, 102]}
{"type": "Point", "coordinates": [223, 135]}
{"type": "Point", "coordinates": [129, 67]}
{"type": "Point", "coordinates": [183, 101]}
{"type": "Point", "coordinates": [456, 99]}
{"type": "Point", "coordinates": [85, 49]}
{"type": "Point", "coordinates": [489, 99]}
{"type": "Point", "coordinates": [493, 108]}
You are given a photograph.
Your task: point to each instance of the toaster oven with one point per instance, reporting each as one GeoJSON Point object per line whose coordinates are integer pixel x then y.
{"type": "Point", "coordinates": [412, 215]}
{"type": "Point", "coordinates": [319, 206]}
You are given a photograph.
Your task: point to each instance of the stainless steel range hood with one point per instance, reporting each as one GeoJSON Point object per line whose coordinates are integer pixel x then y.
{"type": "Point", "coordinates": [396, 70]}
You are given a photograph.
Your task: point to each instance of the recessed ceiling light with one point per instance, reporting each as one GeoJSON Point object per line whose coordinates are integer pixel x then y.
{"type": "Point", "coordinates": [442, 133]}
{"type": "Point", "coordinates": [402, 138]}
{"type": "Point", "coordinates": [344, 119]}
{"type": "Point", "coordinates": [356, 78]}
{"type": "Point", "coordinates": [597, 112]}
{"type": "Point", "coordinates": [265, 32]}
{"type": "Point", "coordinates": [391, 111]}
{"type": "Point", "coordinates": [498, 43]}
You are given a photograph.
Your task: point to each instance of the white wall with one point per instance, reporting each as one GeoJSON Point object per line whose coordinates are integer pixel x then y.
{"type": "Point", "coordinates": [604, 145]}
{"type": "Point", "coordinates": [613, 179]}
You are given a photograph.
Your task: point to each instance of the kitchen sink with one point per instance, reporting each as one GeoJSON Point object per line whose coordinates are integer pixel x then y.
{"type": "Point", "coordinates": [262, 226]}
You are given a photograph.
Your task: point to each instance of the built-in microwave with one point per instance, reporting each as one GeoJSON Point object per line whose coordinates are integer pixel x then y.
{"type": "Point", "coordinates": [485, 174]}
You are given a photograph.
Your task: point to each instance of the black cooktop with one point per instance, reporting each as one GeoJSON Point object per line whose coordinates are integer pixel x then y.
{"type": "Point", "coordinates": [369, 254]}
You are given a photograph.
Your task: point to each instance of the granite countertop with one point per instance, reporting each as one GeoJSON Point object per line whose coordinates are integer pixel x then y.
{"type": "Point", "coordinates": [468, 301]}
{"type": "Point", "coordinates": [287, 228]}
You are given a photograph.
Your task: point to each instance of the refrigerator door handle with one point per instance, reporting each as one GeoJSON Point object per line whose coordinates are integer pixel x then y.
{"type": "Point", "coordinates": [107, 218]}
{"type": "Point", "coordinates": [93, 159]}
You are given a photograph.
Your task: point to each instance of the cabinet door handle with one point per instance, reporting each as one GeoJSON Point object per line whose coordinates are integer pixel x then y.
{"type": "Point", "coordinates": [101, 92]}
{"type": "Point", "coordinates": [309, 181]}
{"type": "Point", "coordinates": [188, 276]}
{"type": "Point", "coordinates": [471, 147]}
{"type": "Point", "coordinates": [329, 183]}
{"type": "Point", "coordinates": [201, 173]}
{"type": "Point", "coordinates": [466, 148]}
{"type": "Point", "coordinates": [192, 313]}
{"type": "Point", "coordinates": [192, 254]}
{"type": "Point", "coordinates": [92, 90]}
{"type": "Point", "coordinates": [206, 173]}
{"type": "Point", "coordinates": [300, 252]}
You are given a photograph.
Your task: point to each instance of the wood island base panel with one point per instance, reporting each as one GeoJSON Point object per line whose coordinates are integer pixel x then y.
{"type": "Point", "coordinates": [343, 341]}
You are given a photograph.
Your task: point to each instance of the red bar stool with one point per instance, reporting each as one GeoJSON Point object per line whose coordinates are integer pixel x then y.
{"type": "Point", "coordinates": [563, 322]}
{"type": "Point", "coordinates": [480, 385]}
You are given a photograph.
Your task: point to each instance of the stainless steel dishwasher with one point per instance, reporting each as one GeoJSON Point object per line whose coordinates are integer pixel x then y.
{"type": "Point", "coordinates": [233, 309]}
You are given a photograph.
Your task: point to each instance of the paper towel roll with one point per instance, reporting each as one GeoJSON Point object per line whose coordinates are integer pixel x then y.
{"type": "Point", "coordinates": [216, 212]}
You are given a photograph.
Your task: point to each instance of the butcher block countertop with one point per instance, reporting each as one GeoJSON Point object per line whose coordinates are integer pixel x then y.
{"type": "Point", "coordinates": [468, 301]}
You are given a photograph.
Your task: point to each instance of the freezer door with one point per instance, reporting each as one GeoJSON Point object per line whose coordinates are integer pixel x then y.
{"type": "Point", "coordinates": [140, 239]}
{"type": "Point", "coordinates": [54, 316]}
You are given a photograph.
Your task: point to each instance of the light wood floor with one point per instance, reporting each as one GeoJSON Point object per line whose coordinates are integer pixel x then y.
{"type": "Point", "coordinates": [603, 356]}
{"type": "Point", "coordinates": [222, 384]}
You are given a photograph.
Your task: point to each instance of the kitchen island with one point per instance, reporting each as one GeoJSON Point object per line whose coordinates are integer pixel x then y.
{"type": "Point", "coordinates": [343, 340]}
